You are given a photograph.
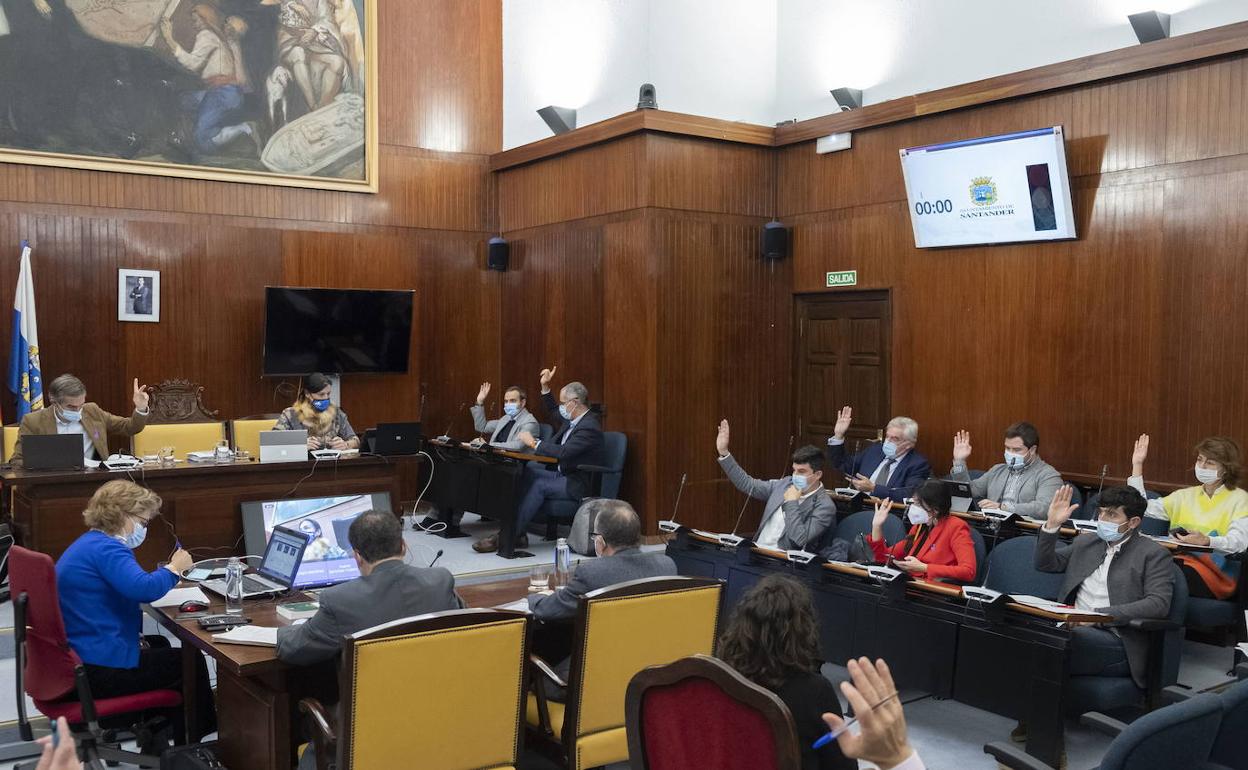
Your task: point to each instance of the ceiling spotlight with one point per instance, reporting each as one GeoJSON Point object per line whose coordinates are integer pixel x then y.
{"type": "Point", "coordinates": [647, 98]}
{"type": "Point", "coordinates": [1150, 25]}
{"type": "Point", "coordinates": [848, 98]}
{"type": "Point", "coordinates": [560, 119]}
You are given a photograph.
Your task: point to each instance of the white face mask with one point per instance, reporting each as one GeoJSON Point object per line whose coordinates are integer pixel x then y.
{"type": "Point", "coordinates": [1206, 475]}
{"type": "Point", "coordinates": [917, 515]}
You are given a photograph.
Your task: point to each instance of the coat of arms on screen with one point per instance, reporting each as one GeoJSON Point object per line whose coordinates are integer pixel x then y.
{"type": "Point", "coordinates": [268, 91]}
{"type": "Point", "coordinates": [983, 191]}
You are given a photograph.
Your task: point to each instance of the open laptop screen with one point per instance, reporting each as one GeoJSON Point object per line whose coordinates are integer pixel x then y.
{"type": "Point", "coordinates": [282, 555]}
{"type": "Point", "coordinates": [324, 521]}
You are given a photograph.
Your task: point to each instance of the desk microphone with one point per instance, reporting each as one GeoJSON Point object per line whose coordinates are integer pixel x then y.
{"type": "Point", "coordinates": [420, 410]}
{"type": "Point", "coordinates": [1104, 471]}
{"type": "Point", "coordinates": [670, 525]}
{"type": "Point", "coordinates": [446, 434]}
{"type": "Point", "coordinates": [436, 557]}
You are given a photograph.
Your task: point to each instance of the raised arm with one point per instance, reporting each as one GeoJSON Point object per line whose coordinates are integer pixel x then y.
{"type": "Point", "coordinates": [743, 481]}
{"type": "Point", "coordinates": [1139, 453]}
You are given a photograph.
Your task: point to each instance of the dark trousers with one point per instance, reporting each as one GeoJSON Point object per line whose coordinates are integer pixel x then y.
{"type": "Point", "coordinates": [160, 668]}
{"type": "Point", "coordinates": [1097, 652]}
{"type": "Point", "coordinates": [539, 484]}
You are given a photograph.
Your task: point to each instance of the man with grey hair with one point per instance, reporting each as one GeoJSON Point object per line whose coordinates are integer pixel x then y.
{"type": "Point", "coordinates": [68, 411]}
{"type": "Point", "coordinates": [577, 442]}
{"type": "Point", "coordinates": [889, 469]}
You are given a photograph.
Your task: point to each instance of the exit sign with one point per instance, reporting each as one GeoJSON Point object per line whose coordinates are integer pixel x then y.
{"type": "Point", "coordinates": [843, 278]}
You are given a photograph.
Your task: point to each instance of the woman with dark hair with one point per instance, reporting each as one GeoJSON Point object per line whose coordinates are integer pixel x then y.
{"type": "Point", "coordinates": [938, 545]}
{"type": "Point", "coordinates": [1212, 513]}
{"type": "Point", "coordinates": [326, 423]}
{"type": "Point", "coordinates": [772, 639]}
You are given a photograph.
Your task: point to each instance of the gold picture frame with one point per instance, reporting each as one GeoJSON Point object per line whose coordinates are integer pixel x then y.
{"type": "Point", "coordinates": [181, 10]}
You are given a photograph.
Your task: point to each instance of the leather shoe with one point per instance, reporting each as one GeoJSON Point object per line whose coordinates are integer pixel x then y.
{"type": "Point", "coordinates": [487, 544]}
{"type": "Point", "coordinates": [1019, 733]}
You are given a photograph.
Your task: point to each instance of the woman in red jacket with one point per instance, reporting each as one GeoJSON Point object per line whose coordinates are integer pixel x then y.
{"type": "Point", "coordinates": [938, 546]}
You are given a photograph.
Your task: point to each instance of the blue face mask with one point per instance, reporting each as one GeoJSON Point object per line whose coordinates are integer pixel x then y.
{"type": "Point", "coordinates": [71, 415]}
{"type": "Point", "coordinates": [1108, 531]}
{"type": "Point", "coordinates": [800, 481]}
{"type": "Point", "coordinates": [135, 538]}
{"type": "Point", "coordinates": [511, 410]}
{"type": "Point", "coordinates": [564, 413]}
{"type": "Point", "coordinates": [890, 449]}
{"type": "Point", "coordinates": [320, 404]}
{"type": "Point", "coordinates": [1013, 461]}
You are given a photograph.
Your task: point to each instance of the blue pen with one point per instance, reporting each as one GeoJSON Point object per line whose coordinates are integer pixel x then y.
{"type": "Point", "coordinates": [828, 737]}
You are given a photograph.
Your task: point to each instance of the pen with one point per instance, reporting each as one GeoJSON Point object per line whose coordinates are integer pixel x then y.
{"type": "Point", "coordinates": [828, 737]}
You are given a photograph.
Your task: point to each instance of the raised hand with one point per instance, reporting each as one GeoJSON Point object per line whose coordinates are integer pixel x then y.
{"type": "Point", "coordinates": [141, 398]}
{"type": "Point", "coordinates": [545, 377]}
{"type": "Point", "coordinates": [721, 438]}
{"type": "Point", "coordinates": [1139, 454]}
{"type": "Point", "coordinates": [873, 698]}
{"type": "Point", "coordinates": [1060, 510]}
{"type": "Point", "coordinates": [883, 509]}
{"type": "Point", "coordinates": [961, 446]}
{"type": "Point", "coordinates": [481, 394]}
{"type": "Point", "coordinates": [843, 420]}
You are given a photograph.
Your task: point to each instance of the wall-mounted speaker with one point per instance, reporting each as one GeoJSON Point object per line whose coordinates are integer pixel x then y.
{"type": "Point", "coordinates": [499, 252]}
{"type": "Point", "coordinates": [775, 241]}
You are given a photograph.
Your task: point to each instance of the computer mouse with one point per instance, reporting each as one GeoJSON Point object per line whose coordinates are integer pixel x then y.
{"type": "Point", "coordinates": [192, 605]}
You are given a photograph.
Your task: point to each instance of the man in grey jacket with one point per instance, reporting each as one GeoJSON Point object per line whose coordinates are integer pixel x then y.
{"type": "Point", "coordinates": [386, 590]}
{"type": "Point", "coordinates": [798, 510]}
{"type": "Point", "coordinates": [1116, 572]}
{"type": "Point", "coordinates": [1023, 484]}
{"type": "Point", "coordinates": [504, 432]}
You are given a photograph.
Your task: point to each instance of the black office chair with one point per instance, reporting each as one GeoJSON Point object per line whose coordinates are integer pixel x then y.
{"type": "Point", "coordinates": [607, 478]}
{"type": "Point", "coordinates": [860, 524]}
{"type": "Point", "coordinates": [1230, 748]}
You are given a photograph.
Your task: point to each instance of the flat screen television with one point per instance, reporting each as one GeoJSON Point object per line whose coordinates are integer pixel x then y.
{"type": "Point", "coordinates": [336, 331]}
{"type": "Point", "coordinates": [1010, 188]}
{"type": "Point", "coordinates": [325, 521]}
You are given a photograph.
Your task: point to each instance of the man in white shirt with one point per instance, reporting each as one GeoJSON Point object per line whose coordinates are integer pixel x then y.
{"type": "Point", "coordinates": [70, 412]}
{"type": "Point", "coordinates": [797, 511]}
{"type": "Point", "coordinates": [504, 432]}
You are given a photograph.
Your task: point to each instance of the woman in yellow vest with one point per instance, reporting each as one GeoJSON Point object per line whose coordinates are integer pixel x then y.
{"type": "Point", "coordinates": [1214, 513]}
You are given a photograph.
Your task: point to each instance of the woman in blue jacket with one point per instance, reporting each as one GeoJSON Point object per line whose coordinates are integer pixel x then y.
{"type": "Point", "coordinates": [101, 586]}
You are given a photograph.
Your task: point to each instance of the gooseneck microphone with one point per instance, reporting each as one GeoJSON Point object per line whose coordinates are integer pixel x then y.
{"type": "Point", "coordinates": [446, 434]}
{"type": "Point", "coordinates": [1104, 472]}
{"type": "Point", "coordinates": [670, 525]}
{"type": "Point", "coordinates": [436, 557]}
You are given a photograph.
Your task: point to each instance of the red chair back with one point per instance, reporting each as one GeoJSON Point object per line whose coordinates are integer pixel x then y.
{"type": "Point", "coordinates": [50, 662]}
{"type": "Point", "coordinates": [698, 712]}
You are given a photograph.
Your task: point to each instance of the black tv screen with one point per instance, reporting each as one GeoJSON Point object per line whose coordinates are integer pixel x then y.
{"type": "Point", "coordinates": [347, 331]}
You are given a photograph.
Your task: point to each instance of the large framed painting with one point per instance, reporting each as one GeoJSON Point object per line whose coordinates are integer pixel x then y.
{"type": "Point", "coordinates": [263, 91]}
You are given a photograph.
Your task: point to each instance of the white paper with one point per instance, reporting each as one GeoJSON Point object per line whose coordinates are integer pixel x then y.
{"type": "Point", "coordinates": [265, 636]}
{"type": "Point", "coordinates": [178, 595]}
{"type": "Point", "coordinates": [520, 605]}
{"type": "Point", "coordinates": [1052, 606]}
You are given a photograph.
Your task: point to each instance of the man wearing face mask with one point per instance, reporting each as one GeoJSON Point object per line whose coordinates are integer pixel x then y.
{"type": "Point", "coordinates": [1023, 484]}
{"type": "Point", "coordinates": [326, 423]}
{"type": "Point", "coordinates": [888, 469]}
{"type": "Point", "coordinates": [504, 432]}
{"type": "Point", "coordinates": [100, 586]}
{"type": "Point", "coordinates": [1214, 513]}
{"type": "Point", "coordinates": [70, 412]}
{"type": "Point", "coordinates": [1115, 572]}
{"type": "Point", "coordinates": [577, 442]}
{"type": "Point", "coordinates": [798, 510]}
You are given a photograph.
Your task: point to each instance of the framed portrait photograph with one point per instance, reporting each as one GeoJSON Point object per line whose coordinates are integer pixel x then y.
{"type": "Point", "coordinates": [279, 92]}
{"type": "Point", "coordinates": [138, 295]}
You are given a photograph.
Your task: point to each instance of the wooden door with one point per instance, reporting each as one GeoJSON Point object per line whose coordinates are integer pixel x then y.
{"type": "Point", "coordinates": [842, 359]}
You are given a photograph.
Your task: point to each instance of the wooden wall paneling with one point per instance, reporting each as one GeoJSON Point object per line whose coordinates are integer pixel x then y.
{"type": "Point", "coordinates": [584, 183]}
{"type": "Point", "coordinates": [1207, 110]}
{"type": "Point", "coordinates": [708, 175]}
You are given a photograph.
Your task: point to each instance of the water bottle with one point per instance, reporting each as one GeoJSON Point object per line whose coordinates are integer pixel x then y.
{"type": "Point", "coordinates": [563, 558]}
{"type": "Point", "coordinates": [234, 587]}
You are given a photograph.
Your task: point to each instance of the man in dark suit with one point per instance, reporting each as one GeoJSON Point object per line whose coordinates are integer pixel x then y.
{"type": "Point", "coordinates": [386, 590]}
{"type": "Point", "coordinates": [890, 469]}
{"type": "Point", "coordinates": [70, 412]}
{"type": "Point", "coordinates": [797, 511]}
{"type": "Point", "coordinates": [577, 442]}
{"type": "Point", "coordinates": [617, 542]}
{"type": "Point", "coordinates": [1116, 572]}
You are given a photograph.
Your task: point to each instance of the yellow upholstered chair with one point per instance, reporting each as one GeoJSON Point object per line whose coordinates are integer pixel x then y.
{"type": "Point", "coordinates": [619, 630]}
{"type": "Point", "coordinates": [184, 437]}
{"type": "Point", "coordinates": [10, 441]}
{"type": "Point", "coordinates": [246, 432]}
{"type": "Point", "coordinates": [459, 674]}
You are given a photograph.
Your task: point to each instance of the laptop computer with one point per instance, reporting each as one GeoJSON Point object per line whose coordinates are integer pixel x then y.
{"type": "Point", "coordinates": [56, 452]}
{"type": "Point", "coordinates": [277, 571]}
{"type": "Point", "coordinates": [283, 446]}
{"type": "Point", "coordinates": [960, 495]}
{"type": "Point", "coordinates": [397, 438]}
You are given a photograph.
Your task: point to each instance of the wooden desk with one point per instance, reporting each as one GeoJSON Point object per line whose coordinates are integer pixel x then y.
{"type": "Point", "coordinates": [201, 500]}
{"type": "Point", "coordinates": [257, 694]}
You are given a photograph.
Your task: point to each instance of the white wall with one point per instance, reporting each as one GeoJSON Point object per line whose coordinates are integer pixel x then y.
{"type": "Point", "coordinates": [763, 61]}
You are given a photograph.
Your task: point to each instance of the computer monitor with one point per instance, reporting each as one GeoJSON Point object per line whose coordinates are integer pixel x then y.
{"type": "Point", "coordinates": [324, 521]}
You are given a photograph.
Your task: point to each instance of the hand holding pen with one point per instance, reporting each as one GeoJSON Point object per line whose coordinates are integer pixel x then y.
{"type": "Point", "coordinates": [877, 710]}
